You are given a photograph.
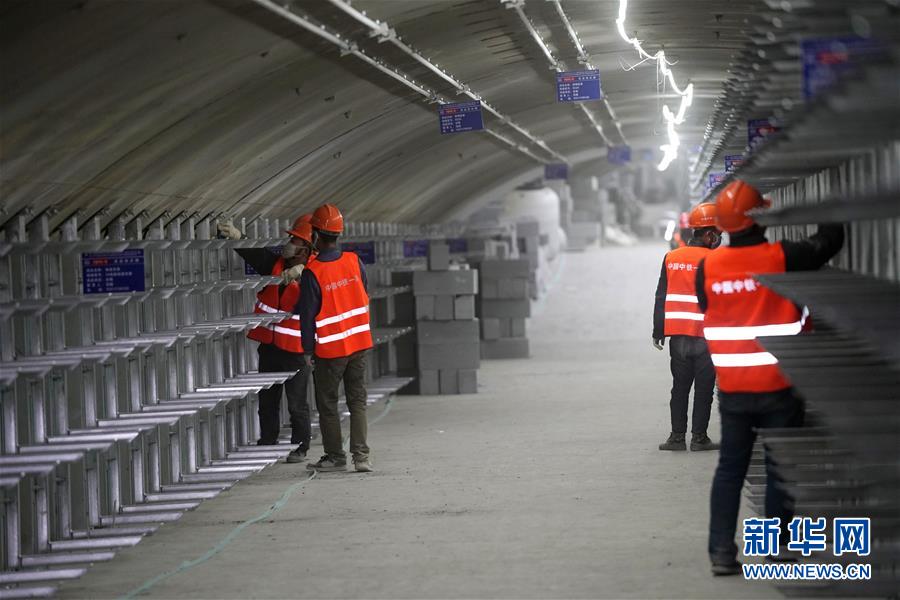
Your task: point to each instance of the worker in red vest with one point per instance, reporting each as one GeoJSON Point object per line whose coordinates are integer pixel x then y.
{"type": "Point", "coordinates": [676, 315]}
{"type": "Point", "coordinates": [753, 392]}
{"type": "Point", "coordinates": [280, 348]}
{"type": "Point", "coordinates": [334, 319]}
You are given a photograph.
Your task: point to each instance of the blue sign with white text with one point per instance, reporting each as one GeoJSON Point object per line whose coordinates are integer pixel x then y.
{"type": "Point", "coordinates": [577, 86]}
{"type": "Point", "coordinates": [826, 60]}
{"type": "Point", "coordinates": [112, 272]}
{"type": "Point", "coordinates": [365, 250]}
{"type": "Point", "coordinates": [415, 248]}
{"type": "Point", "coordinates": [618, 155]}
{"type": "Point", "coordinates": [556, 171]}
{"type": "Point", "coordinates": [758, 130]}
{"type": "Point", "coordinates": [460, 117]}
{"type": "Point", "coordinates": [715, 179]}
{"type": "Point", "coordinates": [458, 245]}
{"type": "Point", "coordinates": [733, 161]}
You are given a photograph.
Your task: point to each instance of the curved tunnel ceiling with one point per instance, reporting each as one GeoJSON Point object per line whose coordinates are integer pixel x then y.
{"type": "Point", "coordinates": [224, 107]}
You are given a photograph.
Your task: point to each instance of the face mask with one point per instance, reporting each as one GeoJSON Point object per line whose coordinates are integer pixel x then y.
{"type": "Point", "coordinates": [289, 250]}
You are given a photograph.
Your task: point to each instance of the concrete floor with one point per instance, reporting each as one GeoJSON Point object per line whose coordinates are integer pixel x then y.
{"type": "Point", "coordinates": [547, 484]}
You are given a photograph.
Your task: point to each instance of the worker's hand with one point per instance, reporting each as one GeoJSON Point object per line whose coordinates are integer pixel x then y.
{"type": "Point", "coordinates": [308, 361]}
{"type": "Point", "coordinates": [658, 344]}
{"type": "Point", "coordinates": [228, 231]}
{"type": "Point", "coordinates": [292, 274]}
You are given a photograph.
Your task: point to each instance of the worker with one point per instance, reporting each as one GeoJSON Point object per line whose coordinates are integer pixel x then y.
{"type": "Point", "coordinates": [682, 232]}
{"type": "Point", "coordinates": [280, 348]}
{"type": "Point", "coordinates": [334, 319]}
{"type": "Point", "coordinates": [753, 391]}
{"type": "Point", "coordinates": [676, 316]}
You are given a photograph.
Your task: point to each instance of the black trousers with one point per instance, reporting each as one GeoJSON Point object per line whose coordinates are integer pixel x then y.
{"type": "Point", "coordinates": [691, 365]}
{"type": "Point", "coordinates": [742, 415]}
{"type": "Point", "coordinates": [273, 359]}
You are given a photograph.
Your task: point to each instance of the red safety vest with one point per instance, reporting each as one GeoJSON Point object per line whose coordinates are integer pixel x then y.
{"type": "Point", "coordinates": [342, 325]}
{"type": "Point", "coordinates": [278, 298]}
{"type": "Point", "coordinates": [740, 310]}
{"type": "Point", "coordinates": [683, 316]}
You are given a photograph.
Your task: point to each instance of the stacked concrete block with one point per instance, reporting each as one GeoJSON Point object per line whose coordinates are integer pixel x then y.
{"type": "Point", "coordinates": [504, 304]}
{"type": "Point", "coordinates": [447, 340]}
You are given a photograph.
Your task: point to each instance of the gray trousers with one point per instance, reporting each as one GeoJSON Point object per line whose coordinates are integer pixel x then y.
{"type": "Point", "coordinates": [328, 374]}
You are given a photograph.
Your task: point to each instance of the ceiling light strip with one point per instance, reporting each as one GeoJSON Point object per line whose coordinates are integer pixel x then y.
{"type": "Point", "coordinates": [670, 150]}
{"type": "Point", "coordinates": [386, 33]}
{"type": "Point", "coordinates": [348, 47]}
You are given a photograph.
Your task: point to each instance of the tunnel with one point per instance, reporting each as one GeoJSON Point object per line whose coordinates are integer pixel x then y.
{"type": "Point", "coordinates": [574, 298]}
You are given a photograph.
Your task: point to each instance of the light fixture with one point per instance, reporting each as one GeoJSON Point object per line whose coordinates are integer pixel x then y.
{"type": "Point", "coordinates": [670, 149]}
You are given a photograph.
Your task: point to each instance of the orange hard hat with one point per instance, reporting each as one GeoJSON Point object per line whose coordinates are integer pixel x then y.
{"type": "Point", "coordinates": [302, 228]}
{"type": "Point", "coordinates": [703, 215]}
{"type": "Point", "coordinates": [732, 205]}
{"type": "Point", "coordinates": [328, 218]}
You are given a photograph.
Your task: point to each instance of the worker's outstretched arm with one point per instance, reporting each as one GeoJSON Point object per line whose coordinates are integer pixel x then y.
{"type": "Point", "coordinates": [813, 252]}
{"type": "Point", "coordinates": [261, 259]}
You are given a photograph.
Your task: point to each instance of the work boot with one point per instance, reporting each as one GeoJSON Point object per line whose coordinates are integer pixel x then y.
{"type": "Point", "coordinates": [296, 456]}
{"type": "Point", "coordinates": [724, 565]}
{"type": "Point", "coordinates": [701, 441]}
{"type": "Point", "coordinates": [326, 464]}
{"type": "Point", "coordinates": [675, 442]}
{"type": "Point", "coordinates": [262, 442]}
{"type": "Point", "coordinates": [362, 465]}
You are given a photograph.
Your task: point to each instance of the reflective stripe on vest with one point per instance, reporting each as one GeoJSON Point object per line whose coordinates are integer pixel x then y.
{"type": "Point", "coordinates": [740, 310]}
{"type": "Point", "coordinates": [284, 334]}
{"type": "Point", "coordinates": [342, 325]}
{"type": "Point", "coordinates": [682, 310]}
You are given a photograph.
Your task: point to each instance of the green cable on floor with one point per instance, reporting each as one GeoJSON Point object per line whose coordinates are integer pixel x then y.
{"type": "Point", "coordinates": [188, 564]}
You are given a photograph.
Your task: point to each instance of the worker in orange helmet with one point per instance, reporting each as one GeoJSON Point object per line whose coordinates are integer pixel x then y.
{"type": "Point", "coordinates": [334, 318]}
{"type": "Point", "coordinates": [280, 348]}
{"type": "Point", "coordinates": [676, 315]}
{"type": "Point", "coordinates": [753, 392]}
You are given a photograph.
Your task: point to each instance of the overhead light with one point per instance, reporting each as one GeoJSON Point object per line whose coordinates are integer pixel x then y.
{"type": "Point", "coordinates": [670, 150]}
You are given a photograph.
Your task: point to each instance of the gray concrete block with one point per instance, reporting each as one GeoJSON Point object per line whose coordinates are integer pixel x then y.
{"type": "Point", "coordinates": [468, 381]}
{"type": "Point", "coordinates": [506, 328]}
{"type": "Point", "coordinates": [505, 348]}
{"type": "Point", "coordinates": [490, 329]}
{"type": "Point", "coordinates": [512, 288]}
{"type": "Point", "coordinates": [528, 228]}
{"type": "Point", "coordinates": [429, 382]}
{"type": "Point", "coordinates": [490, 288]}
{"type": "Point", "coordinates": [505, 308]}
{"type": "Point", "coordinates": [447, 332]}
{"type": "Point", "coordinates": [424, 308]}
{"type": "Point", "coordinates": [443, 308]}
{"type": "Point", "coordinates": [449, 356]}
{"type": "Point", "coordinates": [451, 283]}
{"type": "Point", "coordinates": [464, 308]}
{"type": "Point", "coordinates": [438, 256]}
{"type": "Point", "coordinates": [496, 269]}
{"type": "Point", "coordinates": [449, 381]}
{"type": "Point", "coordinates": [517, 327]}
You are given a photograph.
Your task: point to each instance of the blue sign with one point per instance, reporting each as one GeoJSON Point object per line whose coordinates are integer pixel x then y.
{"type": "Point", "coordinates": [758, 130]}
{"type": "Point", "coordinates": [827, 60]}
{"type": "Point", "coordinates": [618, 155]}
{"type": "Point", "coordinates": [462, 116]}
{"type": "Point", "coordinates": [248, 270]}
{"type": "Point", "coordinates": [365, 250]}
{"type": "Point", "coordinates": [733, 161]}
{"type": "Point", "coordinates": [112, 272]}
{"type": "Point", "coordinates": [415, 248]}
{"type": "Point", "coordinates": [576, 86]}
{"type": "Point", "coordinates": [458, 245]}
{"type": "Point", "coordinates": [556, 171]}
{"type": "Point", "coordinates": [715, 179]}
